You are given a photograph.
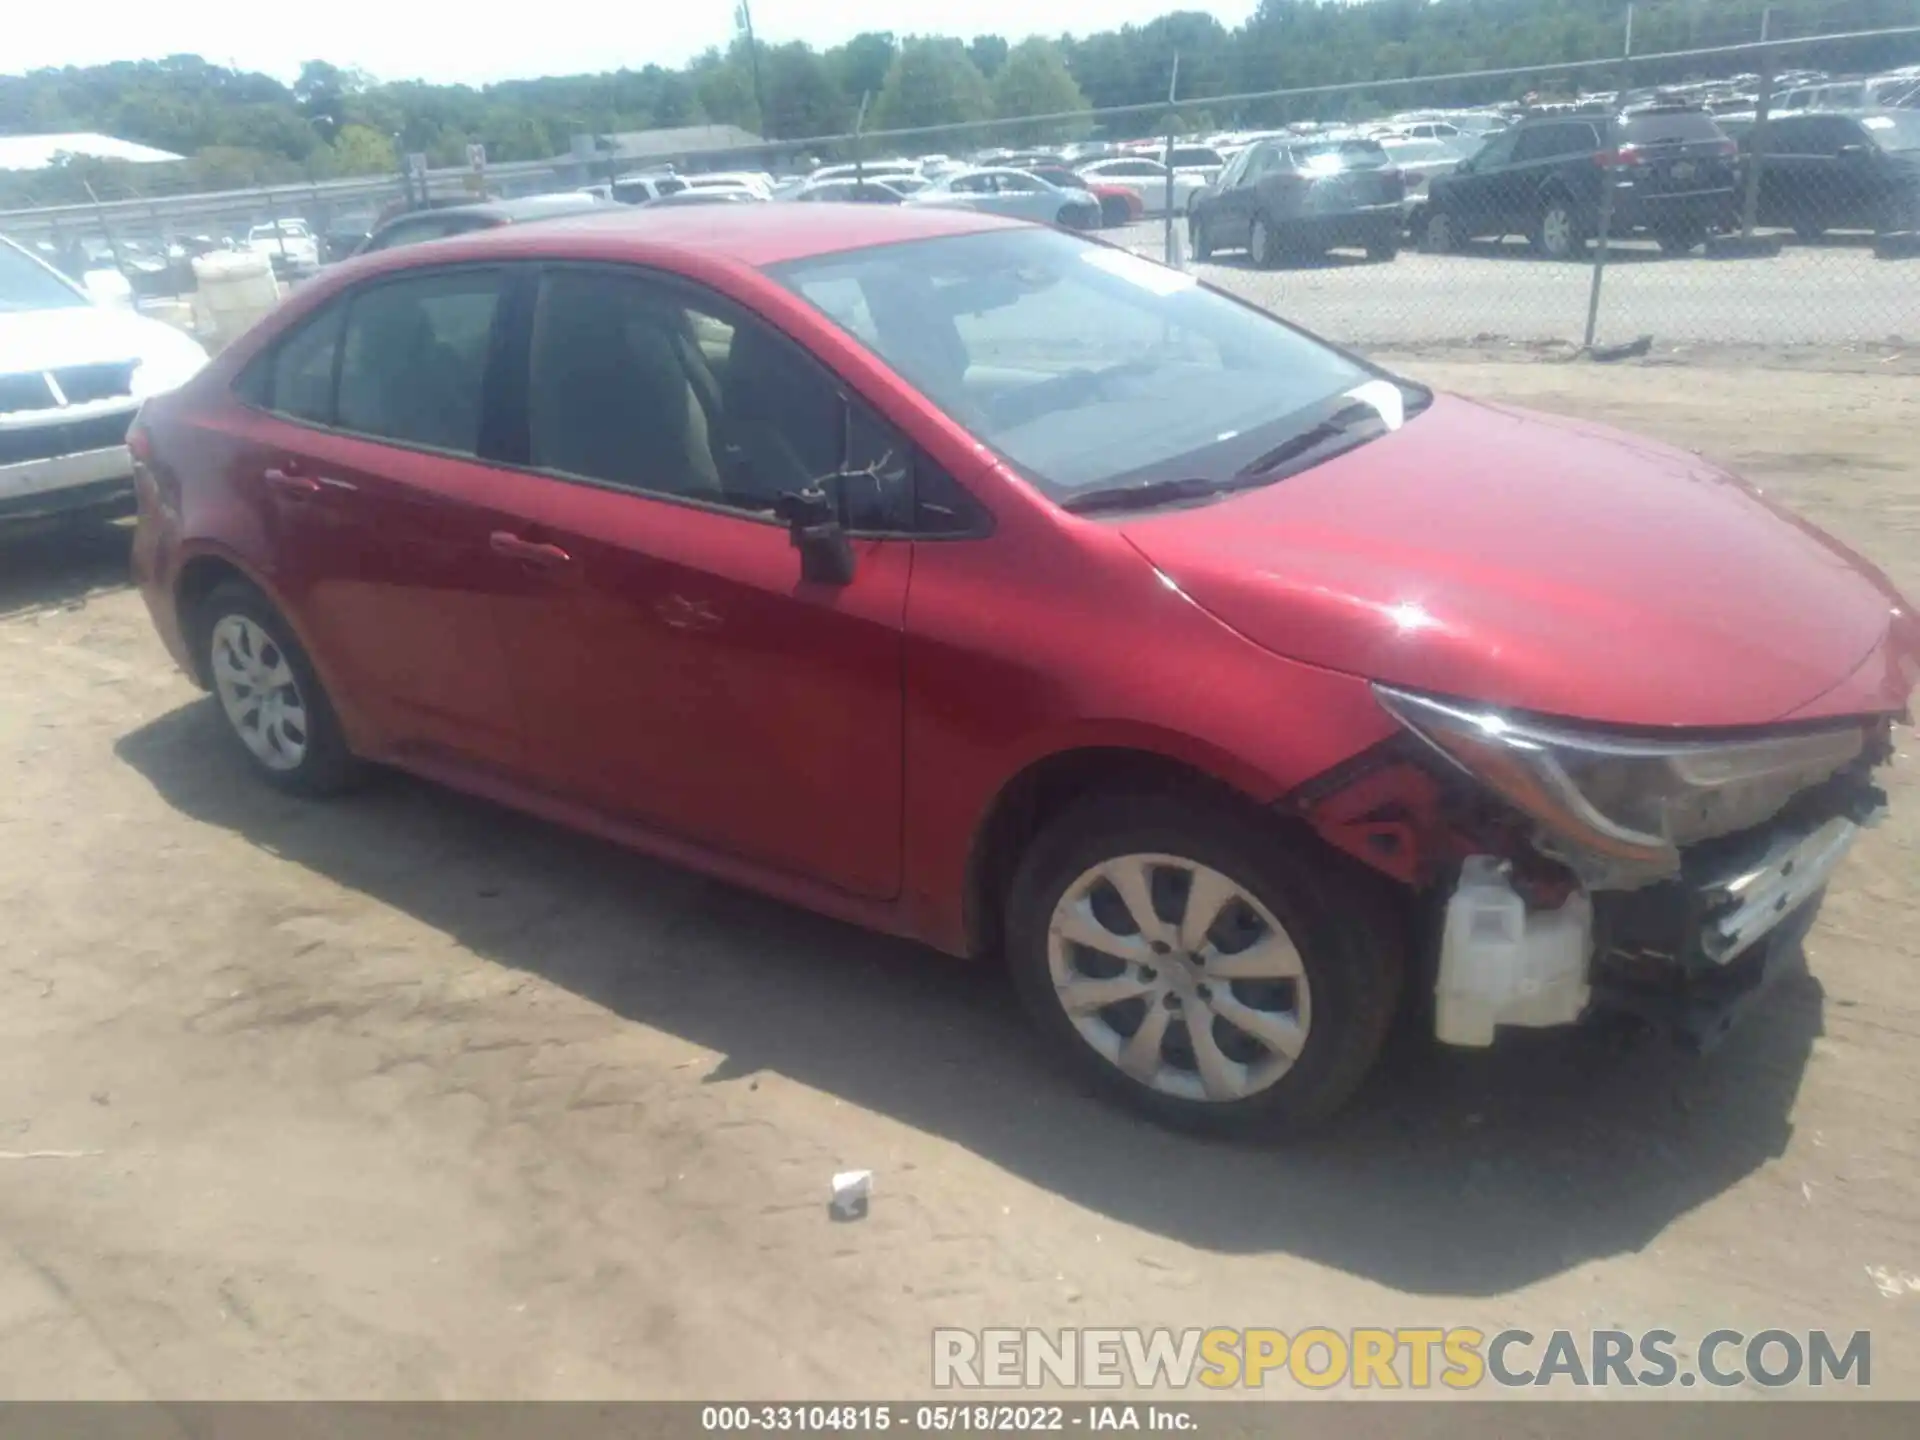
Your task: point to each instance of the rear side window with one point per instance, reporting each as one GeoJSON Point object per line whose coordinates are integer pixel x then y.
{"type": "Point", "coordinates": [300, 382]}
{"type": "Point", "coordinates": [413, 362]}
{"type": "Point", "coordinates": [1667, 126]}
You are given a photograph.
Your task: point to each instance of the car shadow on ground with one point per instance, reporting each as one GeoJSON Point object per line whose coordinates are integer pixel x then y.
{"type": "Point", "coordinates": [51, 566]}
{"type": "Point", "coordinates": [1454, 1172]}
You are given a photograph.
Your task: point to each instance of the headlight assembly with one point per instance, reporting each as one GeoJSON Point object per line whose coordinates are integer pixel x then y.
{"type": "Point", "coordinates": [1625, 806]}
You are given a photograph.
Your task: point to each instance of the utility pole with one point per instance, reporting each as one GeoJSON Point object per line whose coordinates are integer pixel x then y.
{"type": "Point", "coordinates": [745, 16]}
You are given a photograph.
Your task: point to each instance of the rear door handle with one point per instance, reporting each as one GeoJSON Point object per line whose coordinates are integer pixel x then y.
{"type": "Point", "coordinates": [514, 547]}
{"type": "Point", "coordinates": [294, 486]}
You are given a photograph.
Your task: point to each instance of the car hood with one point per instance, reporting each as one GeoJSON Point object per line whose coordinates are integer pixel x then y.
{"type": "Point", "coordinates": [1547, 565]}
{"type": "Point", "coordinates": [89, 335]}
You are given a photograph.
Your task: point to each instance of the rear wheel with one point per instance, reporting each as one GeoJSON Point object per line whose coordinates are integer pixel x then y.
{"type": "Point", "coordinates": [1385, 247]}
{"type": "Point", "coordinates": [1556, 232]}
{"type": "Point", "coordinates": [1113, 211]}
{"type": "Point", "coordinates": [1809, 231]}
{"type": "Point", "coordinates": [275, 708]}
{"type": "Point", "coordinates": [1200, 965]}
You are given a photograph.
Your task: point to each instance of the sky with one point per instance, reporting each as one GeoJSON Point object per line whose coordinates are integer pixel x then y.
{"type": "Point", "coordinates": [420, 40]}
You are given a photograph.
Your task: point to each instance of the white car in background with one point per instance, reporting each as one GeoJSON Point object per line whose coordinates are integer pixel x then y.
{"type": "Point", "coordinates": [288, 239]}
{"type": "Point", "coordinates": [1420, 160]}
{"type": "Point", "coordinates": [72, 375]}
{"type": "Point", "coordinates": [867, 170]}
{"type": "Point", "coordinates": [1147, 178]}
{"type": "Point", "coordinates": [754, 182]}
{"type": "Point", "coordinates": [1014, 193]}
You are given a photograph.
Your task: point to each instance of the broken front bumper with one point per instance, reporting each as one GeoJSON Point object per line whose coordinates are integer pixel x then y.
{"type": "Point", "coordinates": [1685, 954]}
{"type": "Point", "coordinates": [1690, 953]}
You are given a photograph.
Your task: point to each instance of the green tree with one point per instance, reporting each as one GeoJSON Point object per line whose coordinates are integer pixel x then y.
{"type": "Point", "coordinates": [1034, 81]}
{"type": "Point", "coordinates": [802, 98]}
{"type": "Point", "coordinates": [989, 52]}
{"type": "Point", "coordinates": [360, 150]}
{"type": "Point", "coordinates": [860, 66]}
{"type": "Point", "coordinates": [932, 82]}
{"type": "Point", "coordinates": [724, 85]}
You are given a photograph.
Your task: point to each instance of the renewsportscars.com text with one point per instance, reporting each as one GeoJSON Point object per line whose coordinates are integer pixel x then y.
{"type": "Point", "coordinates": [1461, 1358]}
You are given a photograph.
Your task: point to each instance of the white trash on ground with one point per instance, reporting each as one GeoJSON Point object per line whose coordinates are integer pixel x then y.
{"type": "Point", "coordinates": [852, 1190]}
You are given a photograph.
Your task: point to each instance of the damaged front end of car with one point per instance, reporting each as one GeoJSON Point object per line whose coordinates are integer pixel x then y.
{"type": "Point", "coordinates": [1576, 871]}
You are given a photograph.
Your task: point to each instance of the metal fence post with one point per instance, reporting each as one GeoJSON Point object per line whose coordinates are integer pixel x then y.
{"type": "Point", "coordinates": [1600, 252]}
{"type": "Point", "coordinates": [1173, 88]}
{"type": "Point", "coordinates": [1757, 147]}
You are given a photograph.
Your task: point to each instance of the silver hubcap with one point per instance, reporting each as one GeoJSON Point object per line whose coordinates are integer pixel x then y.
{"type": "Point", "coordinates": [1260, 242]}
{"type": "Point", "coordinates": [1439, 233]}
{"type": "Point", "coordinates": [1556, 230]}
{"type": "Point", "coordinates": [257, 690]}
{"type": "Point", "coordinates": [1179, 977]}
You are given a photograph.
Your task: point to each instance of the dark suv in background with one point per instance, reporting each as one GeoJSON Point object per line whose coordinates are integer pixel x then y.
{"type": "Point", "coordinates": [1302, 198]}
{"type": "Point", "coordinates": [1673, 170]}
{"type": "Point", "coordinates": [1833, 171]}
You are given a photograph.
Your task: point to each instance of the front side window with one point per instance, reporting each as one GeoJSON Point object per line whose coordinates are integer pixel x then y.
{"type": "Point", "coordinates": [1077, 362]}
{"type": "Point", "coordinates": [413, 360]}
{"type": "Point", "coordinates": [665, 392]}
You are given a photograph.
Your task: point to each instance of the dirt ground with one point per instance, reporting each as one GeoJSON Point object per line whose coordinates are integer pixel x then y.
{"type": "Point", "coordinates": [405, 1096]}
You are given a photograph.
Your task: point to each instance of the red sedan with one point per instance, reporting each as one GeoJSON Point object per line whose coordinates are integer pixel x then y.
{"type": "Point", "coordinates": [986, 585]}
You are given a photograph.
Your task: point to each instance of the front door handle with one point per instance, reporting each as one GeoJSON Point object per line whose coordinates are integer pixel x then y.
{"type": "Point", "coordinates": [514, 547]}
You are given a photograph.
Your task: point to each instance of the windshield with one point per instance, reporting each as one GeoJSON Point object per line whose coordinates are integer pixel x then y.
{"type": "Point", "coordinates": [26, 284]}
{"type": "Point", "coordinates": [1082, 365]}
{"type": "Point", "coordinates": [1898, 131]}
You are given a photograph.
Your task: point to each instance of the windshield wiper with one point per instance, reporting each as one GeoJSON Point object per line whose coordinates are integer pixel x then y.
{"type": "Point", "coordinates": [1142, 497]}
{"type": "Point", "coordinates": [1344, 424]}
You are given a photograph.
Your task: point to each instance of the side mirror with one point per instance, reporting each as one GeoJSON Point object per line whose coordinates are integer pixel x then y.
{"type": "Point", "coordinates": [813, 524]}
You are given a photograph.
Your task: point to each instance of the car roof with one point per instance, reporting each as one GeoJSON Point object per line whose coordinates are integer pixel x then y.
{"type": "Point", "coordinates": [750, 235]}
{"type": "Point", "coordinates": [529, 207]}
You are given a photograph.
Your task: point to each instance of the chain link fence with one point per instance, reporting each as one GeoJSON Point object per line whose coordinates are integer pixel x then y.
{"type": "Point", "coordinates": [1760, 202]}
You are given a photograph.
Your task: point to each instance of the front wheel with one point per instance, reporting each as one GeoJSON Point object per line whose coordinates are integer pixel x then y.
{"type": "Point", "coordinates": [1200, 965]}
{"type": "Point", "coordinates": [276, 710]}
{"type": "Point", "coordinates": [1198, 243]}
{"type": "Point", "coordinates": [1679, 239]}
{"type": "Point", "coordinates": [1437, 233]}
{"type": "Point", "coordinates": [1262, 245]}
{"type": "Point", "coordinates": [1385, 248]}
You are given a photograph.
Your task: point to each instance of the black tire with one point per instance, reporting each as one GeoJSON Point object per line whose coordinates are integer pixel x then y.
{"type": "Point", "coordinates": [1437, 232]}
{"type": "Point", "coordinates": [1197, 242]}
{"type": "Point", "coordinates": [1113, 211]}
{"type": "Point", "coordinates": [1557, 231]}
{"type": "Point", "coordinates": [1263, 246]}
{"type": "Point", "coordinates": [1809, 232]}
{"type": "Point", "coordinates": [327, 766]}
{"type": "Point", "coordinates": [1385, 249]}
{"type": "Point", "coordinates": [1679, 239]}
{"type": "Point", "coordinates": [1340, 919]}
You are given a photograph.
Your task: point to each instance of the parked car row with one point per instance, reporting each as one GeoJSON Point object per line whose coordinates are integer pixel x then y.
{"type": "Point", "coordinates": [1665, 171]}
